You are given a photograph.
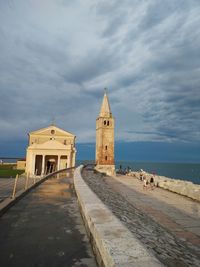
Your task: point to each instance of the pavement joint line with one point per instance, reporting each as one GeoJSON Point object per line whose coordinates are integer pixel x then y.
{"type": "Point", "coordinates": [116, 245]}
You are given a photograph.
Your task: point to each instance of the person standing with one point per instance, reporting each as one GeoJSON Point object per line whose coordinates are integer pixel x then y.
{"type": "Point", "coordinates": [144, 183]}
{"type": "Point", "coordinates": [152, 183]}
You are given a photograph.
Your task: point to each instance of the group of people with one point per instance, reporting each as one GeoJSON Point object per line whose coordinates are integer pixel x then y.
{"type": "Point", "coordinates": [147, 183]}
{"type": "Point", "coordinates": [123, 171]}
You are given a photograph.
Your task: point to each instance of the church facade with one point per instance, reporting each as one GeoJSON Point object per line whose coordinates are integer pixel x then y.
{"type": "Point", "coordinates": [105, 125]}
{"type": "Point", "coordinates": [50, 149]}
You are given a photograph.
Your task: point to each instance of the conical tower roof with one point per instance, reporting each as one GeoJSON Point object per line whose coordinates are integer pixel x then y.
{"type": "Point", "coordinates": [105, 107]}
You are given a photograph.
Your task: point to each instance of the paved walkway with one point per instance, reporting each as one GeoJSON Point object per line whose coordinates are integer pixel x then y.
{"type": "Point", "coordinates": [45, 228]}
{"type": "Point", "coordinates": [168, 224]}
{"type": "Point", "coordinates": [177, 213]}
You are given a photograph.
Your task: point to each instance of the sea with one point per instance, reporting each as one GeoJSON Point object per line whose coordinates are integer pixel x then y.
{"type": "Point", "coordinates": [183, 171]}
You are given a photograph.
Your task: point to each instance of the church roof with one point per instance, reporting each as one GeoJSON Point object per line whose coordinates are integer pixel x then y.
{"type": "Point", "coordinates": [105, 107]}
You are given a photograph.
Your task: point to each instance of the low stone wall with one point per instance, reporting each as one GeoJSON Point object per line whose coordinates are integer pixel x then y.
{"type": "Point", "coordinates": [181, 187]}
{"type": "Point", "coordinates": [113, 243]}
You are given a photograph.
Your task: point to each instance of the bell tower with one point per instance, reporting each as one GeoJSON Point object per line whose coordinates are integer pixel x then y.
{"type": "Point", "coordinates": [105, 139]}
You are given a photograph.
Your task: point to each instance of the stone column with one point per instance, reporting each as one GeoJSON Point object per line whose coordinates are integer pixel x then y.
{"type": "Point", "coordinates": [69, 160]}
{"type": "Point", "coordinates": [43, 165]}
{"type": "Point", "coordinates": [74, 158]}
{"type": "Point", "coordinates": [33, 164]}
{"type": "Point", "coordinates": [58, 164]}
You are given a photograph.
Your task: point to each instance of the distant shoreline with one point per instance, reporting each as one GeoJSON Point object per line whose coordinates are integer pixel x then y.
{"type": "Point", "coordinates": [182, 171]}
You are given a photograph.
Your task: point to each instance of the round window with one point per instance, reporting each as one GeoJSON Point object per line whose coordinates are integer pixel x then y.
{"type": "Point", "coordinates": [52, 131]}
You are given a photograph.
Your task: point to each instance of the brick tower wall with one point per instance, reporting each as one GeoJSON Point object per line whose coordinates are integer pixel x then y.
{"type": "Point", "coordinates": [105, 141]}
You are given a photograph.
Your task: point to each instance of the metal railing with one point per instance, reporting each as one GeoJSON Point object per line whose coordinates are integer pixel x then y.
{"type": "Point", "coordinates": [9, 187]}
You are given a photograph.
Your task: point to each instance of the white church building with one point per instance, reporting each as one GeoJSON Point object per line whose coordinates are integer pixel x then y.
{"type": "Point", "coordinates": [50, 149]}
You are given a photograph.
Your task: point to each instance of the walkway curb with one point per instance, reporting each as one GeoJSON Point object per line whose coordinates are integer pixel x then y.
{"type": "Point", "coordinates": [113, 244]}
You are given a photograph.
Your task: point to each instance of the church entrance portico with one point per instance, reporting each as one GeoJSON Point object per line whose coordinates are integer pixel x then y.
{"type": "Point", "coordinates": [45, 164]}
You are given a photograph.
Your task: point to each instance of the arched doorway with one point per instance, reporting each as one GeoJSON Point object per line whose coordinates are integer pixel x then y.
{"type": "Point", "coordinates": [51, 164]}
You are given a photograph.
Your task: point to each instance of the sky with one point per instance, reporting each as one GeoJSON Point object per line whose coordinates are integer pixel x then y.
{"type": "Point", "coordinates": [57, 56]}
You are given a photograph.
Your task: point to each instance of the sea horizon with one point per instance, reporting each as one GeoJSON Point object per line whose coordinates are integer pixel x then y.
{"type": "Point", "coordinates": [187, 171]}
{"type": "Point", "coordinates": [175, 170]}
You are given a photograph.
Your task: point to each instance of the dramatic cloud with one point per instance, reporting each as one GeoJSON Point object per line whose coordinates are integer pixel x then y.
{"type": "Point", "coordinates": [57, 56]}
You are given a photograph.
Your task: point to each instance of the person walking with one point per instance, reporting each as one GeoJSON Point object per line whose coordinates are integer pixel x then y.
{"type": "Point", "coordinates": [144, 183]}
{"type": "Point", "coordinates": [152, 183]}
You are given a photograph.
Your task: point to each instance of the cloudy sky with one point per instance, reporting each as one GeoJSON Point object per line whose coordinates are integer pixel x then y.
{"type": "Point", "coordinates": [56, 56]}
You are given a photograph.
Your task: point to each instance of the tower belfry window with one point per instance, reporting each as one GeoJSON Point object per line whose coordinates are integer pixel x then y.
{"type": "Point", "coordinates": [106, 157]}
{"type": "Point", "coordinates": [108, 123]}
{"type": "Point", "coordinates": [106, 147]}
{"type": "Point", "coordinates": [104, 122]}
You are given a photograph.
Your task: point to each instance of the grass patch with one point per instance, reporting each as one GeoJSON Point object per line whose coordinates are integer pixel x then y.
{"type": "Point", "coordinates": [7, 173]}
{"type": "Point", "coordinates": [7, 166]}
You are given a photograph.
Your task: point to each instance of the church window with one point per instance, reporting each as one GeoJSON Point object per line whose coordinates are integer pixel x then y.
{"type": "Point", "coordinates": [104, 122]}
{"type": "Point", "coordinates": [106, 157]}
{"type": "Point", "coordinates": [107, 123]}
{"type": "Point", "coordinates": [65, 142]}
{"type": "Point", "coordinates": [52, 131]}
{"type": "Point", "coordinates": [106, 147]}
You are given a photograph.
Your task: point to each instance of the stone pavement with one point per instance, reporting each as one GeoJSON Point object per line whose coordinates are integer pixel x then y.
{"type": "Point", "coordinates": [179, 214]}
{"type": "Point", "coordinates": [107, 232]}
{"type": "Point", "coordinates": [45, 228]}
{"type": "Point", "coordinates": [168, 224]}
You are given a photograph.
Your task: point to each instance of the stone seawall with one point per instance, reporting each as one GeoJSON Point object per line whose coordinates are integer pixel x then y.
{"type": "Point", "coordinates": [114, 244]}
{"type": "Point", "coordinates": [181, 187]}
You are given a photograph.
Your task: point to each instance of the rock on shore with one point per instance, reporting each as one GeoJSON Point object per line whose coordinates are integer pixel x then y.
{"type": "Point", "coordinates": [181, 187]}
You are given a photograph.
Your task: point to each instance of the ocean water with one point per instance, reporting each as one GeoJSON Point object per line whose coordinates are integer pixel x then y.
{"type": "Point", "coordinates": [182, 171]}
